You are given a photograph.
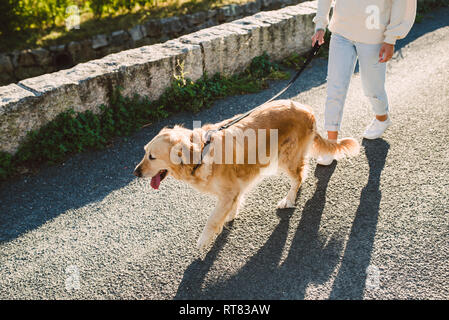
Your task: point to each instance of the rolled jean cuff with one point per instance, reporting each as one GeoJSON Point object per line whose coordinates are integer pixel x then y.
{"type": "Point", "coordinates": [331, 127]}
{"type": "Point", "coordinates": [379, 105]}
{"type": "Point", "coordinates": [381, 111]}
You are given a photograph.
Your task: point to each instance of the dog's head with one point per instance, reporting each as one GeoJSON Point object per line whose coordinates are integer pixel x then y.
{"type": "Point", "coordinates": [170, 152]}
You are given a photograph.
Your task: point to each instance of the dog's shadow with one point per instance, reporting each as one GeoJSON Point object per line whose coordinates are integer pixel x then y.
{"type": "Point", "coordinates": [264, 276]}
{"type": "Point", "coordinates": [312, 257]}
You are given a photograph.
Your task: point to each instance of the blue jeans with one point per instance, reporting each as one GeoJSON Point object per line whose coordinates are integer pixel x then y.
{"type": "Point", "coordinates": [343, 55]}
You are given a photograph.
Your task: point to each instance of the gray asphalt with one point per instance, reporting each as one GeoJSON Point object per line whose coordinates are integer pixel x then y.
{"type": "Point", "coordinates": [385, 210]}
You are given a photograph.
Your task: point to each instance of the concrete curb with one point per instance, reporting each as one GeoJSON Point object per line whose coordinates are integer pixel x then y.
{"type": "Point", "coordinates": [149, 70]}
{"type": "Point", "coordinates": [22, 64]}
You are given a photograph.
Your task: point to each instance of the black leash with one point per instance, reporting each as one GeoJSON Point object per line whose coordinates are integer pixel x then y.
{"type": "Point", "coordinates": [209, 133]}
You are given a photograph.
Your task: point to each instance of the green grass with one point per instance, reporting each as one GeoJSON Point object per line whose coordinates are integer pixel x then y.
{"type": "Point", "coordinates": [426, 6]}
{"type": "Point", "coordinates": [29, 24]}
{"type": "Point", "coordinates": [71, 132]}
{"type": "Point", "coordinates": [41, 23]}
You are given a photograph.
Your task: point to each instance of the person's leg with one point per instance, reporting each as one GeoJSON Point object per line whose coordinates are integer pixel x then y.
{"type": "Point", "coordinates": [373, 75]}
{"type": "Point", "coordinates": [341, 65]}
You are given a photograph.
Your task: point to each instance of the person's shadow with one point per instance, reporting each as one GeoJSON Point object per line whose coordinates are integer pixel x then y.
{"type": "Point", "coordinates": [262, 277]}
{"type": "Point", "coordinates": [312, 258]}
{"type": "Point", "coordinates": [351, 279]}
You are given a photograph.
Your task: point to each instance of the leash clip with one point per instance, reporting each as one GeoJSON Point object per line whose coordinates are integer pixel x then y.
{"type": "Point", "coordinates": [208, 135]}
{"type": "Point", "coordinates": [205, 150]}
{"type": "Point", "coordinates": [206, 147]}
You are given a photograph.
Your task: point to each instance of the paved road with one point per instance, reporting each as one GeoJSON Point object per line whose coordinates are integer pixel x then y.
{"type": "Point", "coordinates": [386, 210]}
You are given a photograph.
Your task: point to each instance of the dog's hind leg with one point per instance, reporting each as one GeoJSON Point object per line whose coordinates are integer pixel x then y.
{"type": "Point", "coordinates": [227, 204]}
{"type": "Point", "coordinates": [234, 212]}
{"type": "Point", "coordinates": [297, 172]}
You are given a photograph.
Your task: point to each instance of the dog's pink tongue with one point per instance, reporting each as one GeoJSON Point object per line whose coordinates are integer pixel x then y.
{"type": "Point", "coordinates": [156, 181]}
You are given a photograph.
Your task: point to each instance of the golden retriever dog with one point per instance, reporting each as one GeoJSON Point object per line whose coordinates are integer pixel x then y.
{"type": "Point", "coordinates": [230, 174]}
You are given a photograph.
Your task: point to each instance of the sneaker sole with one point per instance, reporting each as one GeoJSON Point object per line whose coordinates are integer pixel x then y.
{"type": "Point", "coordinates": [325, 163]}
{"type": "Point", "coordinates": [372, 138]}
{"type": "Point", "coordinates": [378, 136]}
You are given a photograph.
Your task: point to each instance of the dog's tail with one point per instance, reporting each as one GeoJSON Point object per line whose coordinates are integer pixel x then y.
{"type": "Point", "coordinates": [345, 147]}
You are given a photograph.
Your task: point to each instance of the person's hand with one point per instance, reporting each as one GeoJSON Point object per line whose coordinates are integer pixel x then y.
{"type": "Point", "coordinates": [386, 52]}
{"type": "Point", "coordinates": [318, 36]}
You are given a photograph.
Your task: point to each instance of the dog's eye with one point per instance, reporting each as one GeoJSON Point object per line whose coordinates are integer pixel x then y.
{"type": "Point", "coordinates": [151, 157]}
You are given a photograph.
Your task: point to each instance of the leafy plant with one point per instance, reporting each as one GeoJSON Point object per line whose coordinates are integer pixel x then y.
{"type": "Point", "coordinates": [6, 165]}
{"type": "Point", "coordinates": [424, 6]}
{"type": "Point", "coordinates": [72, 132]}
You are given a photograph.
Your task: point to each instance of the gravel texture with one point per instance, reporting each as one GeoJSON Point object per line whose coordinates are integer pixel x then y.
{"type": "Point", "coordinates": [385, 211]}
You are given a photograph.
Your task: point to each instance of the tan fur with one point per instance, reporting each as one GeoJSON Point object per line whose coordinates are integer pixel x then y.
{"type": "Point", "coordinates": [297, 140]}
{"type": "Point", "coordinates": [345, 147]}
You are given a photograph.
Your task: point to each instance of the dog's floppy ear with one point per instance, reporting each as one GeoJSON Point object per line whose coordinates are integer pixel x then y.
{"type": "Point", "coordinates": [180, 150]}
{"type": "Point", "coordinates": [206, 156]}
{"type": "Point", "coordinates": [186, 154]}
{"type": "Point", "coordinates": [185, 150]}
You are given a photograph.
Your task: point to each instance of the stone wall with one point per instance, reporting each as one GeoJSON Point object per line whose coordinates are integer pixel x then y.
{"type": "Point", "coordinates": [149, 70]}
{"type": "Point", "coordinates": [19, 65]}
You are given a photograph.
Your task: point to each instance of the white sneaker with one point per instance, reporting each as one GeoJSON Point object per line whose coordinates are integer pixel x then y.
{"type": "Point", "coordinates": [376, 128]}
{"type": "Point", "coordinates": [325, 160]}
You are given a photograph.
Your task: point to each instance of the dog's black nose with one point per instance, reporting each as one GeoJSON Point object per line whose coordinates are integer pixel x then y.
{"type": "Point", "coordinates": [138, 172]}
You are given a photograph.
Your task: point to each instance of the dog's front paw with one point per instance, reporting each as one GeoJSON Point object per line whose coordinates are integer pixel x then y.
{"type": "Point", "coordinates": [230, 217]}
{"type": "Point", "coordinates": [205, 239]}
{"type": "Point", "coordinates": [285, 203]}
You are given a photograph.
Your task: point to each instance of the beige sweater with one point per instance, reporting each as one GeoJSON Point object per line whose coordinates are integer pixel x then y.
{"type": "Point", "coordinates": [368, 21]}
